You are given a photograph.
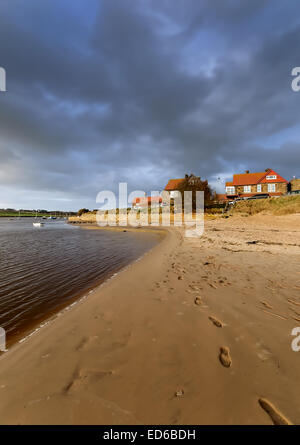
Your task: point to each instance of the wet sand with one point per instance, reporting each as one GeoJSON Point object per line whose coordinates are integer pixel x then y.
{"type": "Point", "coordinates": [196, 332]}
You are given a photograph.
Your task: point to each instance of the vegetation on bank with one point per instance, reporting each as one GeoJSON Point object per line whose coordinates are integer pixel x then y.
{"type": "Point", "coordinates": [275, 206]}
{"type": "Point", "coordinates": [17, 214]}
{"type": "Point", "coordinates": [82, 211]}
{"type": "Point", "coordinates": [91, 216]}
{"type": "Point", "coordinates": [29, 213]}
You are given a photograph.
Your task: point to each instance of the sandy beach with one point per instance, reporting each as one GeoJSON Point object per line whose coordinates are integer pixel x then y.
{"type": "Point", "coordinates": [196, 332]}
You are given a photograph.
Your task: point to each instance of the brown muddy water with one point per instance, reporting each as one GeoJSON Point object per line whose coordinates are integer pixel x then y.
{"type": "Point", "coordinates": [44, 269]}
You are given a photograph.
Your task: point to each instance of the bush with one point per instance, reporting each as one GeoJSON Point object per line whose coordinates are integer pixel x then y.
{"type": "Point", "coordinates": [81, 211]}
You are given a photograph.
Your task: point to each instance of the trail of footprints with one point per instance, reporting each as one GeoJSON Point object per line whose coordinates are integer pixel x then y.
{"type": "Point", "coordinates": [83, 377]}
{"type": "Point", "coordinates": [194, 287]}
{"type": "Point", "coordinates": [224, 353]}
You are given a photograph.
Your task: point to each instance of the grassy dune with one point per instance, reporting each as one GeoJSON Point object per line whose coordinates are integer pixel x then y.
{"type": "Point", "coordinates": [274, 206]}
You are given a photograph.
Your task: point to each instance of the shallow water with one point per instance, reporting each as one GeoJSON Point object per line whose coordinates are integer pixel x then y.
{"type": "Point", "coordinates": [44, 269]}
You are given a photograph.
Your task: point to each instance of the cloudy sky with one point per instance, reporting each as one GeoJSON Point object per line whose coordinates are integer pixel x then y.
{"type": "Point", "coordinates": [140, 91]}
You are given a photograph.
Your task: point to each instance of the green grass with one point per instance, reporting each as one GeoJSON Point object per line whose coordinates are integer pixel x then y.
{"type": "Point", "coordinates": [275, 206]}
{"type": "Point", "coordinates": [16, 214]}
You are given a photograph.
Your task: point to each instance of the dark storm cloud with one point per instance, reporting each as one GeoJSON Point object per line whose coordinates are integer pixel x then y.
{"type": "Point", "coordinates": [107, 91]}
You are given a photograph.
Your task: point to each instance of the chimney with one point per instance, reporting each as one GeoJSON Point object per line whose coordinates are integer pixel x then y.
{"type": "Point", "coordinates": [247, 171]}
{"type": "Point", "coordinates": [267, 169]}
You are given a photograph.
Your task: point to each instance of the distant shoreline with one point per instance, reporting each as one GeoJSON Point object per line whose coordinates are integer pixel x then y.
{"type": "Point", "coordinates": [31, 215]}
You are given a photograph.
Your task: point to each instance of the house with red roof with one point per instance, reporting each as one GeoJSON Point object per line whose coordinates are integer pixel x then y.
{"type": "Point", "coordinates": [173, 185]}
{"type": "Point", "coordinates": [248, 184]}
{"type": "Point", "coordinates": [146, 201]}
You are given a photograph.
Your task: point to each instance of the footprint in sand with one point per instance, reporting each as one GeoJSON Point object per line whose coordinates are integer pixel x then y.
{"type": "Point", "coordinates": [276, 416]}
{"type": "Point", "coordinates": [198, 301]}
{"type": "Point", "coordinates": [266, 304]}
{"type": "Point", "coordinates": [194, 288]}
{"type": "Point", "coordinates": [224, 356]}
{"type": "Point", "coordinates": [179, 393]}
{"type": "Point", "coordinates": [215, 321]}
{"type": "Point", "coordinates": [85, 342]}
{"type": "Point", "coordinates": [213, 285]}
{"type": "Point", "coordinates": [83, 376]}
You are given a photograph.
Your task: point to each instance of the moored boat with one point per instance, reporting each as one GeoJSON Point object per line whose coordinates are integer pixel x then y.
{"type": "Point", "coordinates": [37, 224]}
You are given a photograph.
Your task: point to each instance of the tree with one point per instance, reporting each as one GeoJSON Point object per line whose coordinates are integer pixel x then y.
{"type": "Point", "coordinates": [81, 211]}
{"type": "Point", "coordinates": [194, 183]}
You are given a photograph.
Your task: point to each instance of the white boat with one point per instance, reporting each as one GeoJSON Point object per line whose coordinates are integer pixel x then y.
{"type": "Point", "coordinates": [37, 224]}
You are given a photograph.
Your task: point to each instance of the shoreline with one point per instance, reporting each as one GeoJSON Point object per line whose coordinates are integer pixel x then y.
{"type": "Point", "coordinates": [27, 352]}
{"type": "Point", "coordinates": [60, 309]}
{"type": "Point", "coordinates": [146, 348]}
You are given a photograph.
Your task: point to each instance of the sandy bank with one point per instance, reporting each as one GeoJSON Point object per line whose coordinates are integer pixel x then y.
{"type": "Point", "coordinates": [198, 331]}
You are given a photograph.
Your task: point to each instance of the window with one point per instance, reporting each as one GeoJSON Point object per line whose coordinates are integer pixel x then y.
{"type": "Point", "coordinates": [230, 190]}
{"type": "Point", "coordinates": [271, 177]}
{"type": "Point", "coordinates": [271, 188]}
{"type": "Point", "coordinates": [247, 188]}
{"type": "Point", "coordinates": [259, 188]}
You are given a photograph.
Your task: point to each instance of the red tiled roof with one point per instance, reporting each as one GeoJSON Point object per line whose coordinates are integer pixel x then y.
{"type": "Point", "coordinates": [146, 200]}
{"type": "Point", "coordinates": [173, 184]}
{"type": "Point", "coordinates": [278, 178]}
{"type": "Point", "coordinates": [248, 178]}
{"type": "Point", "coordinates": [255, 178]}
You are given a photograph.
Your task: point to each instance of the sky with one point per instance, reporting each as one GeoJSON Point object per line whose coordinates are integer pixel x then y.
{"type": "Point", "coordinates": [140, 91]}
